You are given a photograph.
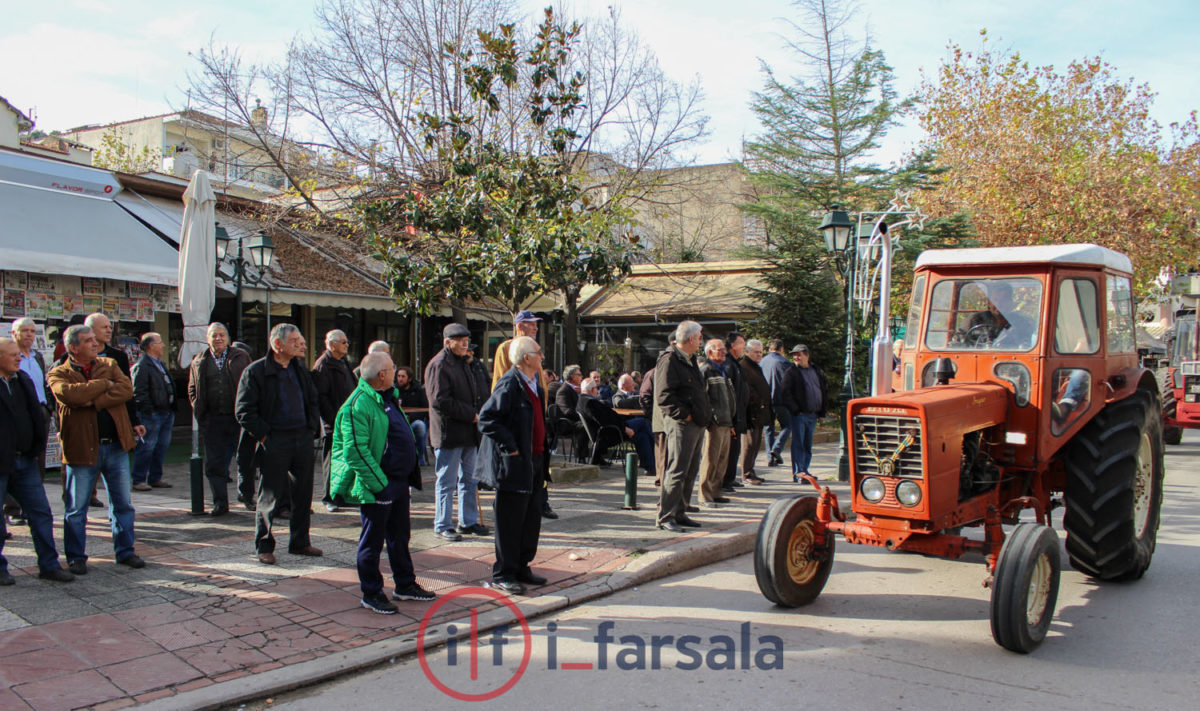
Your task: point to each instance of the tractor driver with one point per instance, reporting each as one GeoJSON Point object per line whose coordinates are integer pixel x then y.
{"type": "Point", "coordinates": [1002, 325]}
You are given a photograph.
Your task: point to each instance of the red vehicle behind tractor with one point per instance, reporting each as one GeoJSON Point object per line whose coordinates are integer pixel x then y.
{"type": "Point", "coordinates": [1020, 393]}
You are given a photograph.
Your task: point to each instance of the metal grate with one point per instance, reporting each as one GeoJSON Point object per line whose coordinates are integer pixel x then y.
{"type": "Point", "coordinates": [885, 435]}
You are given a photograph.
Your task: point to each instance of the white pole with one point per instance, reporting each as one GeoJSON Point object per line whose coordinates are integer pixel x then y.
{"type": "Point", "coordinates": [881, 362]}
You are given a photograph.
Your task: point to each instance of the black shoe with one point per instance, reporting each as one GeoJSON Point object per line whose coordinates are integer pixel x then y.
{"type": "Point", "coordinates": [691, 509]}
{"type": "Point", "coordinates": [413, 592]}
{"type": "Point", "coordinates": [774, 460]}
{"type": "Point", "coordinates": [133, 561]}
{"type": "Point", "coordinates": [219, 510]}
{"type": "Point", "coordinates": [378, 603]}
{"type": "Point", "coordinates": [96, 503]}
{"type": "Point", "coordinates": [77, 567]}
{"type": "Point", "coordinates": [736, 484]}
{"type": "Point", "coordinates": [58, 575]}
{"type": "Point", "coordinates": [448, 535]}
{"type": "Point", "coordinates": [8, 535]}
{"type": "Point", "coordinates": [511, 587]}
{"type": "Point", "coordinates": [548, 512]}
{"type": "Point", "coordinates": [6, 578]}
{"type": "Point", "coordinates": [530, 578]}
{"type": "Point", "coordinates": [247, 501]}
{"type": "Point", "coordinates": [729, 489]}
{"type": "Point", "coordinates": [687, 522]}
{"type": "Point", "coordinates": [671, 526]}
{"type": "Point", "coordinates": [721, 500]}
{"type": "Point", "coordinates": [477, 528]}
{"type": "Point", "coordinates": [484, 487]}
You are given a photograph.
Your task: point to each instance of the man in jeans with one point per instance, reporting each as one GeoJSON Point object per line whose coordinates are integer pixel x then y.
{"type": "Point", "coordinates": [774, 366]}
{"type": "Point", "coordinates": [96, 435]}
{"type": "Point", "coordinates": [803, 394]}
{"type": "Point", "coordinates": [22, 438]}
{"type": "Point", "coordinates": [453, 414]}
{"type": "Point", "coordinates": [277, 407]}
{"type": "Point", "coordinates": [154, 397]}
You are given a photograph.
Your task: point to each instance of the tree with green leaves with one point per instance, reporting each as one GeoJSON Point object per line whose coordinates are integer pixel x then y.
{"type": "Point", "coordinates": [511, 220]}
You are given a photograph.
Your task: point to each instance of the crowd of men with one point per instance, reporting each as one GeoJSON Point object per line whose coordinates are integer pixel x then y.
{"type": "Point", "coordinates": [699, 415]}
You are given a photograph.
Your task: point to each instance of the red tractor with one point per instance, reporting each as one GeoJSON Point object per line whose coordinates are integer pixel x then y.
{"type": "Point", "coordinates": [1180, 381]}
{"type": "Point", "coordinates": [1020, 390]}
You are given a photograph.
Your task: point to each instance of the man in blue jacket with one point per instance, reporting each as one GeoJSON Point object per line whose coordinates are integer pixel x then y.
{"type": "Point", "coordinates": [512, 459]}
{"type": "Point", "coordinates": [373, 462]}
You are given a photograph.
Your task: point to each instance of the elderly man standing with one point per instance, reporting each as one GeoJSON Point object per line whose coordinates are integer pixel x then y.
{"type": "Point", "coordinates": [803, 395]}
{"type": "Point", "coordinates": [715, 370]}
{"type": "Point", "coordinates": [212, 386]}
{"type": "Point", "coordinates": [96, 435]}
{"type": "Point", "coordinates": [758, 409]}
{"type": "Point", "coordinates": [24, 332]}
{"type": "Point", "coordinates": [513, 461]}
{"type": "Point", "coordinates": [374, 463]}
{"type": "Point", "coordinates": [681, 413]}
{"type": "Point", "coordinates": [22, 438]}
{"type": "Point", "coordinates": [154, 397]}
{"type": "Point", "coordinates": [102, 329]}
{"type": "Point", "coordinates": [774, 366]}
{"type": "Point", "coordinates": [335, 381]}
{"type": "Point", "coordinates": [525, 324]}
{"type": "Point", "coordinates": [735, 347]}
{"type": "Point", "coordinates": [453, 412]}
{"type": "Point", "coordinates": [277, 406]}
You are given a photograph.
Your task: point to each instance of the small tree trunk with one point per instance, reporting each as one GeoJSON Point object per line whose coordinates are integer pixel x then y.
{"type": "Point", "coordinates": [571, 327]}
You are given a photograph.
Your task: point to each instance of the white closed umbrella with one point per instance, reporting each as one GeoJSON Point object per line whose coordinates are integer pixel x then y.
{"type": "Point", "coordinates": [197, 294]}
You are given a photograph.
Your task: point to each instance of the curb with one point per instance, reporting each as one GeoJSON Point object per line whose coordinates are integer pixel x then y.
{"type": "Point", "coordinates": [689, 554]}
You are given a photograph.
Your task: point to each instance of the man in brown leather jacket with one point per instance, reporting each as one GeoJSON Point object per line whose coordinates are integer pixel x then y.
{"type": "Point", "coordinates": [96, 436]}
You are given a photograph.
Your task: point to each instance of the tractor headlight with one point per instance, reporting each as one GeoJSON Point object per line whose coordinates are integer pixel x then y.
{"type": "Point", "coordinates": [872, 489]}
{"type": "Point", "coordinates": [908, 493]}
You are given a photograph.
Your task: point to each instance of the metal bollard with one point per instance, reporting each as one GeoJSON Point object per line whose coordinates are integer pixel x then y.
{"type": "Point", "coordinates": [196, 482]}
{"type": "Point", "coordinates": [630, 482]}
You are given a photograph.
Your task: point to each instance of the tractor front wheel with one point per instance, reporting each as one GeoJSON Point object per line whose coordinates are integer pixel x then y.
{"type": "Point", "coordinates": [1025, 588]}
{"type": "Point", "coordinates": [790, 565]}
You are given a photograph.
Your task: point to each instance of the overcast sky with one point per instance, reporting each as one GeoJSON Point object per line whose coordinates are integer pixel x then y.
{"type": "Point", "coordinates": [75, 62]}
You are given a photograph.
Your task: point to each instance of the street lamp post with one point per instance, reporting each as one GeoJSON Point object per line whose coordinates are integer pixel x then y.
{"type": "Point", "coordinates": [835, 228]}
{"type": "Point", "coordinates": [871, 244]}
{"type": "Point", "coordinates": [262, 251]}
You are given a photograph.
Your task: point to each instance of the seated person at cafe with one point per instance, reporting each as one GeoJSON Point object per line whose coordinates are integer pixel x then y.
{"type": "Point", "coordinates": [608, 427]}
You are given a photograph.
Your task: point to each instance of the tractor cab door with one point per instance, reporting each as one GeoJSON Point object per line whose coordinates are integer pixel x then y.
{"type": "Point", "coordinates": [1075, 367]}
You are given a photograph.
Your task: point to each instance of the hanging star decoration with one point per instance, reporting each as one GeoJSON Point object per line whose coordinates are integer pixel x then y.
{"type": "Point", "coordinates": [901, 204]}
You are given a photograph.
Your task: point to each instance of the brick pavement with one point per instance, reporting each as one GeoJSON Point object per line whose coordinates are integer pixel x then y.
{"type": "Point", "coordinates": [204, 611]}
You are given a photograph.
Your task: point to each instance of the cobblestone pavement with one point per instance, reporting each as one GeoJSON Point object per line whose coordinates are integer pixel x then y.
{"type": "Point", "coordinates": [204, 611]}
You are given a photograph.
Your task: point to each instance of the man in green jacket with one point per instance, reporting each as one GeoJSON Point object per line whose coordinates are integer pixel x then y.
{"type": "Point", "coordinates": [374, 461]}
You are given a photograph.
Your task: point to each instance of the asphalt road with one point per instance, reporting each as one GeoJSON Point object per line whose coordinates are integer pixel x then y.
{"type": "Point", "coordinates": [896, 631]}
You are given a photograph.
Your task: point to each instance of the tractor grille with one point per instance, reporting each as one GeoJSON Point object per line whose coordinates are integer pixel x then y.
{"type": "Point", "coordinates": [885, 435]}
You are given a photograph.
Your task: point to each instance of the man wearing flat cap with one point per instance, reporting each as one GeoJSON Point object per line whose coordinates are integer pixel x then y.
{"type": "Point", "coordinates": [524, 324]}
{"type": "Point", "coordinates": [453, 412]}
{"type": "Point", "coordinates": [802, 394]}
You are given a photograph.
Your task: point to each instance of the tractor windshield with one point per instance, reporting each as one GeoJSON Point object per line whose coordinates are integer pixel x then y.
{"type": "Point", "coordinates": [1185, 342]}
{"type": "Point", "coordinates": [984, 314]}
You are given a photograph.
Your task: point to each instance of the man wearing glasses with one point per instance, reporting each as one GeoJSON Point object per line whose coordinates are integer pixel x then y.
{"type": "Point", "coordinates": [335, 381]}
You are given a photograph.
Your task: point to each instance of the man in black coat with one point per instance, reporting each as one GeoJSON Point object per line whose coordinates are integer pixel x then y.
{"type": "Point", "coordinates": [453, 411]}
{"type": "Point", "coordinates": [22, 437]}
{"type": "Point", "coordinates": [802, 394]}
{"type": "Point", "coordinates": [512, 459]}
{"type": "Point", "coordinates": [334, 380]}
{"type": "Point", "coordinates": [212, 387]}
{"type": "Point", "coordinates": [609, 426]}
{"type": "Point", "coordinates": [154, 398]}
{"type": "Point", "coordinates": [681, 412]}
{"type": "Point", "coordinates": [566, 408]}
{"type": "Point", "coordinates": [735, 347]}
{"type": "Point", "coordinates": [102, 329]}
{"type": "Point", "coordinates": [758, 409]}
{"type": "Point", "coordinates": [277, 407]}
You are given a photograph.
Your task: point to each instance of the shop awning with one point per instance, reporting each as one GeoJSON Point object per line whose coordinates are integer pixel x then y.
{"type": "Point", "coordinates": [55, 232]}
{"type": "Point", "coordinates": [159, 214]}
{"type": "Point", "coordinates": [669, 292]}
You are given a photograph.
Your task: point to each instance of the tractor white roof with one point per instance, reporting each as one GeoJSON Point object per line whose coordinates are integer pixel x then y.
{"type": "Point", "coordinates": [1057, 253]}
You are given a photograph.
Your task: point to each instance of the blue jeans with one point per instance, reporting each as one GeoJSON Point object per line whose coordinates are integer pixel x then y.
{"type": "Point", "coordinates": [643, 442]}
{"type": "Point", "coordinates": [802, 426]}
{"type": "Point", "coordinates": [149, 454]}
{"type": "Point", "coordinates": [420, 431]}
{"type": "Point", "coordinates": [113, 465]}
{"type": "Point", "coordinates": [776, 443]}
{"type": "Point", "coordinates": [25, 485]}
{"type": "Point", "coordinates": [455, 469]}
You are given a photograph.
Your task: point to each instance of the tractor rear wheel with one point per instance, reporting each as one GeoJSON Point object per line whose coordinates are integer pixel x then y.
{"type": "Point", "coordinates": [1172, 434]}
{"type": "Point", "coordinates": [791, 568]}
{"type": "Point", "coordinates": [1114, 489]}
{"type": "Point", "coordinates": [1025, 588]}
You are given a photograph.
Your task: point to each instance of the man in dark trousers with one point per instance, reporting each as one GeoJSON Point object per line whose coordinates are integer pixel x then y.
{"type": "Point", "coordinates": [758, 409]}
{"type": "Point", "coordinates": [335, 381]}
{"type": "Point", "coordinates": [735, 347]}
{"type": "Point", "coordinates": [154, 397]}
{"type": "Point", "coordinates": [802, 394]}
{"type": "Point", "coordinates": [374, 463]}
{"type": "Point", "coordinates": [513, 460]}
{"type": "Point", "coordinates": [212, 386]}
{"type": "Point", "coordinates": [453, 411]}
{"type": "Point", "coordinates": [774, 366]}
{"type": "Point", "coordinates": [609, 426]}
{"type": "Point", "coordinates": [277, 407]}
{"type": "Point", "coordinates": [682, 412]}
{"type": "Point", "coordinates": [22, 438]}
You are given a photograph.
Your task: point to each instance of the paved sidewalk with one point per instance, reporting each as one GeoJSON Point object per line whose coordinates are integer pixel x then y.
{"type": "Point", "coordinates": [204, 625]}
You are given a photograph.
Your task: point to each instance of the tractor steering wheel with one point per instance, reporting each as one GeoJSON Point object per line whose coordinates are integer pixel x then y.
{"type": "Point", "coordinates": [978, 336]}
